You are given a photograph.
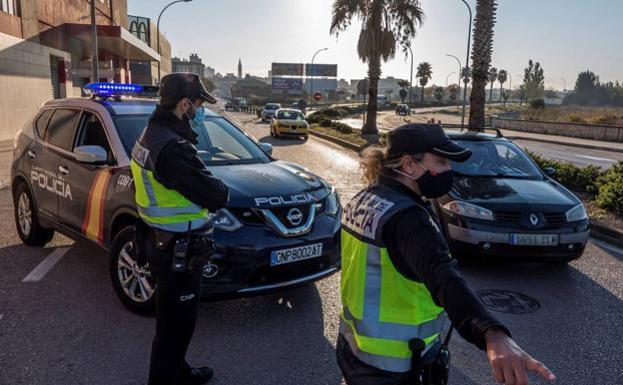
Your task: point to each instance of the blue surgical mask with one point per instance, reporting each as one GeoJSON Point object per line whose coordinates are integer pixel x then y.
{"type": "Point", "coordinates": [199, 117]}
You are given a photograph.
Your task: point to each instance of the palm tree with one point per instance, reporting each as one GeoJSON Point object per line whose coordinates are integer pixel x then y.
{"type": "Point", "coordinates": [502, 78]}
{"type": "Point", "coordinates": [385, 25]}
{"type": "Point", "coordinates": [425, 73]}
{"type": "Point", "coordinates": [493, 76]}
{"type": "Point", "coordinates": [481, 60]}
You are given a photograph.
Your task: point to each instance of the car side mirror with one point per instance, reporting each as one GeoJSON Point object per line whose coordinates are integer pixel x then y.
{"type": "Point", "coordinates": [549, 171]}
{"type": "Point", "coordinates": [267, 148]}
{"type": "Point", "coordinates": [91, 154]}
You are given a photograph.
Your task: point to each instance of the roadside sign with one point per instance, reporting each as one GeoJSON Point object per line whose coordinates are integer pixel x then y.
{"type": "Point", "coordinates": [317, 96]}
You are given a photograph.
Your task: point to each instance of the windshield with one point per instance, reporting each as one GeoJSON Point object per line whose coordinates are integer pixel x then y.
{"type": "Point", "coordinates": [290, 115]}
{"type": "Point", "coordinates": [220, 142]}
{"type": "Point", "coordinates": [272, 107]}
{"type": "Point", "coordinates": [496, 158]}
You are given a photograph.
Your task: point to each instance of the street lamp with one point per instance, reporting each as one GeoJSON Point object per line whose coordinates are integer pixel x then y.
{"type": "Point", "coordinates": [158, 30]}
{"type": "Point", "coordinates": [450, 74]}
{"type": "Point", "coordinates": [311, 90]}
{"type": "Point", "coordinates": [411, 79]}
{"type": "Point", "coordinates": [469, 37]}
{"type": "Point", "coordinates": [564, 91]}
{"type": "Point", "coordinates": [460, 72]}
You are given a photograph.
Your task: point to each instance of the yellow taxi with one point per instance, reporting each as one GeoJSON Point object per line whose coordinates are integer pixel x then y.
{"type": "Point", "coordinates": [289, 122]}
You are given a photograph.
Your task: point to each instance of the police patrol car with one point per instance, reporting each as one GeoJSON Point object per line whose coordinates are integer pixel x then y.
{"type": "Point", "coordinates": [71, 174]}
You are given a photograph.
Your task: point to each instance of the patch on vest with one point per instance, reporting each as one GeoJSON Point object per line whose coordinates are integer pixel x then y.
{"type": "Point", "coordinates": [363, 214]}
{"type": "Point", "coordinates": [140, 154]}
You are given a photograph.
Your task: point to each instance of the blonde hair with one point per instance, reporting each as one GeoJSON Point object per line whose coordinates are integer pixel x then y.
{"type": "Point", "coordinates": [375, 162]}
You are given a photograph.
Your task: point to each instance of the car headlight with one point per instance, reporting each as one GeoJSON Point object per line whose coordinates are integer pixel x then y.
{"type": "Point", "coordinates": [330, 205]}
{"type": "Point", "coordinates": [224, 220]}
{"type": "Point", "coordinates": [468, 210]}
{"type": "Point", "coordinates": [578, 213]}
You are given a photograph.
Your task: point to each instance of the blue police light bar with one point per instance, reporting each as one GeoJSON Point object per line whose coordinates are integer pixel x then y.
{"type": "Point", "coordinates": [118, 89]}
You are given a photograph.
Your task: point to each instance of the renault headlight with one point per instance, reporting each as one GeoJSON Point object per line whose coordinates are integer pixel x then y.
{"type": "Point", "coordinates": [469, 210]}
{"type": "Point", "coordinates": [578, 213]}
{"type": "Point", "coordinates": [225, 220]}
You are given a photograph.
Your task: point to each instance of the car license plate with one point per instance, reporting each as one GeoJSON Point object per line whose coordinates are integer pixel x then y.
{"type": "Point", "coordinates": [281, 257]}
{"type": "Point", "coordinates": [534, 239]}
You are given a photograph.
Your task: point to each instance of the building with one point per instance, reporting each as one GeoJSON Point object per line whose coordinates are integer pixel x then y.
{"type": "Point", "coordinates": [45, 52]}
{"type": "Point", "coordinates": [209, 72]}
{"type": "Point", "coordinates": [192, 64]}
{"type": "Point", "coordinates": [239, 68]}
{"type": "Point", "coordinates": [145, 71]}
{"type": "Point", "coordinates": [320, 85]}
{"type": "Point", "coordinates": [386, 84]}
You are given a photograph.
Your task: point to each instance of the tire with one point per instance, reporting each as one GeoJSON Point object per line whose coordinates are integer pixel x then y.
{"type": "Point", "coordinates": [138, 293]}
{"type": "Point", "coordinates": [27, 222]}
{"type": "Point", "coordinates": [305, 137]}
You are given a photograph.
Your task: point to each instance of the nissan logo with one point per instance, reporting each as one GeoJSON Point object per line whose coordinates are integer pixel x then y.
{"type": "Point", "coordinates": [295, 216]}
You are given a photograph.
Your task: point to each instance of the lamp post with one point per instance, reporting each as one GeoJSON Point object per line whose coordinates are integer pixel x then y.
{"type": "Point", "coordinates": [158, 30]}
{"type": "Point", "coordinates": [469, 37]}
{"type": "Point", "coordinates": [460, 72]}
{"type": "Point", "coordinates": [411, 79]}
{"type": "Point", "coordinates": [450, 74]}
{"type": "Point", "coordinates": [311, 90]}
{"type": "Point", "coordinates": [511, 85]}
{"type": "Point", "coordinates": [94, 56]}
{"type": "Point", "coordinates": [564, 91]}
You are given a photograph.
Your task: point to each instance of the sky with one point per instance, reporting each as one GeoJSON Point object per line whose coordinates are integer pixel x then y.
{"type": "Point", "coordinates": [565, 36]}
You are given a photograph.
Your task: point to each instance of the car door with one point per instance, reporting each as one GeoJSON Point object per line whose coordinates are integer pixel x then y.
{"type": "Point", "coordinates": [47, 178]}
{"type": "Point", "coordinates": [84, 213]}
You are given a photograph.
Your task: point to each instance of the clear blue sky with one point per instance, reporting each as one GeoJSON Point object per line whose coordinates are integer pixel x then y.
{"type": "Point", "coordinates": [566, 36]}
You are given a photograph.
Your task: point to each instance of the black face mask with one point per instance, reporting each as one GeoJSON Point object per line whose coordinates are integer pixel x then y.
{"type": "Point", "coordinates": [433, 186]}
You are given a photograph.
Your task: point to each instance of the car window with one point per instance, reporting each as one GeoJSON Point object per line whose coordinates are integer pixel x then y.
{"type": "Point", "coordinates": [129, 127]}
{"type": "Point", "coordinates": [62, 128]}
{"type": "Point", "coordinates": [220, 142]}
{"type": "Point", "coordinates": [92, 133]}
{"type": "Point", "coordinates": [272, 106]}
{"type": "Point", "coordinates": [496, 159]}
{"type": "Point", "coordinates": [290, 115]}
{"type": "Point", "coordinates": [42, 122]}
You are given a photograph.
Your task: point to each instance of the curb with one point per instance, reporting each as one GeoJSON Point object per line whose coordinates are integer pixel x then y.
{"type": "Point", "coordinates": [588, 146]}
{"type": "Point", "coordinates": [606, 234]}
{"type": "Point", "coordinates": [338, 141]}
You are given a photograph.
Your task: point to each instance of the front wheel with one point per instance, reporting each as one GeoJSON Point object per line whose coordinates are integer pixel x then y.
{"type": "Point", "coordinates": [29, 229]}
{"type": "Point", "coordinates": [132, 282]}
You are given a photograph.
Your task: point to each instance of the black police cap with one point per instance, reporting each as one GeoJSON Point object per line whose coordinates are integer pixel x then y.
{"type": "Point", "coordinates": [179, 85]}
{"type": "Point", "coordinates": [421, 138]}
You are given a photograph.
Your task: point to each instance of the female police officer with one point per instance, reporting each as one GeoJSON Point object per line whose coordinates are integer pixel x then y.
{"type": "Point", "coordinates": [398, 276]}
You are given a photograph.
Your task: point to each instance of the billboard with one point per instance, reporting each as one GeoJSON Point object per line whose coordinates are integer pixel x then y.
{"type": "Point", "coordinates": [322, 70]}
{"type": "Point", "coordinates": [287, 69]}
{"type": "Point", "coordinates": [290, 84]}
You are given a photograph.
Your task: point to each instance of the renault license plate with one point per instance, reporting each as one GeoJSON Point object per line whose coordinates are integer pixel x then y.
{"type": "Point", "coordinates": [534, 239]}
{"type": "Point", "coordinates": [281, 257]}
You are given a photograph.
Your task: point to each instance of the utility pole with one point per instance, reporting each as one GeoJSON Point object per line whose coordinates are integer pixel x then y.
{"type": "Point", "coordinates": [94, 56]}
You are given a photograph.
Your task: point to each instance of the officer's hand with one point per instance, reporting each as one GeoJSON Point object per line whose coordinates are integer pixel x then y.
{"type": "Point", "coordinates": [509, 362]}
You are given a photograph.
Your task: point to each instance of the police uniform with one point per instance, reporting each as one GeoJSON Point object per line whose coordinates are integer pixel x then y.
{"type": "Point", "coordinates": [399, 282]}
{"type": "Point", "coordinates": [174, 194]}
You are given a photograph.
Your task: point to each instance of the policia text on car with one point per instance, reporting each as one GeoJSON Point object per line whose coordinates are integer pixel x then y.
{"type": "Point", "coordinates": [399, 280]}
{"type": "Point", "coordinates": [174, 193]}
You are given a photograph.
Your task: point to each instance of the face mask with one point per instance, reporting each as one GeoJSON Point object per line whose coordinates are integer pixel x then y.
{"type": "Point", "coordinates": [433, 186]}
{"type": "Point", "coordinates": [196, 115]}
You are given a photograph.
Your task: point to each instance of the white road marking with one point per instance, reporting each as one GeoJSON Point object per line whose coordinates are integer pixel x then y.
{"type": "Point", "coordinates": [597, 158]}
{"type": "Point", "coordinates": [607, 246]}
{"type": "Point", "coordinates": [46, 265]}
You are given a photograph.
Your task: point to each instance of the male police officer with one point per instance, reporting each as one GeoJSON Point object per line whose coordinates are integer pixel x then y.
{"type": "Point", "coordinates": [398, 276]}
{"type": "Point", "coordinates": [174, 192]}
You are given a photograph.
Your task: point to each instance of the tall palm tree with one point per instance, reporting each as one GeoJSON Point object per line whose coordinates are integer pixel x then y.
{"type": "Point", "coordinates": [481, 60]}
{"type": "Point", "coordinates": [385, 25]}
{"type": "Point", "coordinates": [502, 78]}
{"type": "Point", "coordinates": [493, 76]}
{"type": "Point", "coordinates": [425, 73]}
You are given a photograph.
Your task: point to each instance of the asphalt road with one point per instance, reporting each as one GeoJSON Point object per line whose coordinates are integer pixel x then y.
{"type": "Point", "coordinates": [69, 328]}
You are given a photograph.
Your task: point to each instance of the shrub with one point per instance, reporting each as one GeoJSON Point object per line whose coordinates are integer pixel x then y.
{"type": "Point", "coordinates": [325, 121]}
{"type": "Point", "coordinates": [576, 119]}
{"type": "Point", "coordinates": [579, 179]}
{"type": "Point", "coordinates": [341, 127]}
{"type": "Point", "coordinates": [606, 119]}
{"type": "Point", "coordinates": [610, 190]}
{"type": "Point", "coordinates": [537, 104]}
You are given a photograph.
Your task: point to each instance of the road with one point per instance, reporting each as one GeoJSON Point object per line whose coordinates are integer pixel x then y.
{"type": "Point", "coordinates": [69, 328]}
{"type": "Point", "coordinates": [388, 120]}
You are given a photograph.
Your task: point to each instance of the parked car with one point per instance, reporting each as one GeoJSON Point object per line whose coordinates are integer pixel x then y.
{"type": "Point", "coordinates": [502, 205]}
{"type": "Point", "coordinates": [403, 109]}
{"type": "Point", "coordinates": [289, 122]}
{"type": "Point", "coordinates": [71, 173]}
{"type": "Point", "coordinates": [269, 111]}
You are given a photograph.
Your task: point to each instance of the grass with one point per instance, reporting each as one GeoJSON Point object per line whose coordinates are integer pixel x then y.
{"type": "Point", "coordinates": [577, 114]}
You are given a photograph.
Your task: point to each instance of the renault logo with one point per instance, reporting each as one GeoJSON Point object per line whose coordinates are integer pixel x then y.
{"type": "Point", "coordinates": [295, 216]}
{"type": "Point", "coordinates": [534, 219]}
